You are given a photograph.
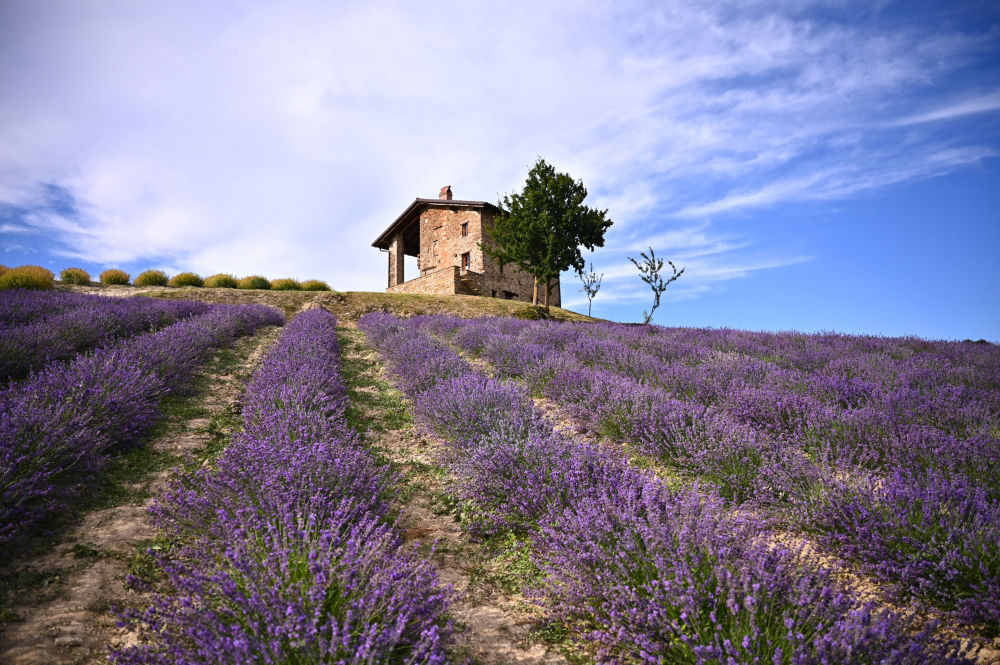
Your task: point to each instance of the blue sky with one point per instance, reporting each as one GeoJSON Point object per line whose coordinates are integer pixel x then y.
{"type": "Point", "coordinates": [824, 165]}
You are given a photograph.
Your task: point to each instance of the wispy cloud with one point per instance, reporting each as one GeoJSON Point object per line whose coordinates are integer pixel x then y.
{"type": "Point", "coordinates": [961, 108]}
{"type": "Point", "coordinates": [284, 138]}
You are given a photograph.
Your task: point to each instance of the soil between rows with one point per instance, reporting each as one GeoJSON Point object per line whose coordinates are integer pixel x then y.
{"type": "Point", "coordinates": [62, 600]}
{"type": "Point", "coordinates": [493, 625]}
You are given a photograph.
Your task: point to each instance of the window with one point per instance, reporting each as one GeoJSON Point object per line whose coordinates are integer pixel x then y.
{"type": "Point", "coordinates": [465, 229]}
{"type": "Point", "coordinates": [466, 260]}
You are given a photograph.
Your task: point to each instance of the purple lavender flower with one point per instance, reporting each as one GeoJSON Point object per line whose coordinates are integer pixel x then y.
{"type": "Point", "coordinates": [288, 550]}
{"type": "Point", "coordinates": [60, 426]}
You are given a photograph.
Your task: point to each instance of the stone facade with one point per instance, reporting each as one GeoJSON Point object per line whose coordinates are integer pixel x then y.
{"type": "Point", "coordinates": [444, 235]}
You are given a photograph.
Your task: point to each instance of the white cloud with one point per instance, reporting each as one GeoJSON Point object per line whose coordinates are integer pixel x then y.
{"type": "Point", "coordinates": [957, 109]}
{"type": "Point", "coordinates": [283, 138]}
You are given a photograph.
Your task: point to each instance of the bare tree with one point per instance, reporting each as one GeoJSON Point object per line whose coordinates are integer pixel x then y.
{"type": "Point", "coordinates": [591, 285]}
{"type": "Point", "coordinates": [649, 271]}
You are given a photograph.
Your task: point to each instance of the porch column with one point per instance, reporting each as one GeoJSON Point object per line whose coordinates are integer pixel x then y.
{"type": "Point", "coordinates": [396, 261]}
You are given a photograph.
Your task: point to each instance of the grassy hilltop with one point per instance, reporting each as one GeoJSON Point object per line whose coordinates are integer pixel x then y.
{"type": "Point", "coordinates": [349, 304]}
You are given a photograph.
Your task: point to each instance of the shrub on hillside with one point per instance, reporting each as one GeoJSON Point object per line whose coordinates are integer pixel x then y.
{"type": "Point", "coordinates": [254, 282]}
{"type": "Point", "coordinates": [3, 269]}
{"type": "Point", "coordinates": [151, 278]}
{"type": "Point", "coordinates": [285, 284]}
{"type": "Point", "coordinates": [115, 276]}
{"type": "Point", "coordinates": [26, 277]}
{"type": "Point", "coordinates": [315, 285]}
{"type": "Point", "coordinates": [77, 276]}
{"type": "Point", "coordinates": [186, 279]}
{"type": "Point", "coordinates": [221, 281]}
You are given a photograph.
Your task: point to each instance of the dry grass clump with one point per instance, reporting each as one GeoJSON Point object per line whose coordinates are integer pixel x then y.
{"type": "Point", "coordinates": [286, 284]}
{"type": "Point", "coordinates": [115, 276]}
{"type": "Point", "coordinates": [222, 281]}
{"type": "Point", "coordinates": [151, 278]}
{"type": "Point", "coordinates": [254, 282]}
{"type": "Point", "coordinates": [186, 279]}
{"type": "Point", "coordinates": [315, 285]}
{"type": "Point", "coordinates": [3, 269]}
{"type": "Point", "coordinates": [77, 276]}
{"type": "Point", "coordinates": [27, 277]}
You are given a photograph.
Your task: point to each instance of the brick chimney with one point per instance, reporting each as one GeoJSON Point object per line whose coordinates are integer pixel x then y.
{"type": "Point", "coordinates": [445, 193]}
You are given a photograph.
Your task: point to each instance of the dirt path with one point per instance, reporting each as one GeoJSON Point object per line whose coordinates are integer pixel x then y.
{"type": "Point", "coordinates": [65, 608]}
{"type": "Point", "coordinates": [494, 623]}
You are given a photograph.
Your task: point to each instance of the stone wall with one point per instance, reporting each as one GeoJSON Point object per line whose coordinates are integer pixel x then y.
{"type": "Point", "coordinates": [439, 282]}
{"type": "Point", "coordinates": [440, 262]}
{"type": "Point", "coordinates": [441, 240]}
{"type": "Point", "coordinates": [512, 283]}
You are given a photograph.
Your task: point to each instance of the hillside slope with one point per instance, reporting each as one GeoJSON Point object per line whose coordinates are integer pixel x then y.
{"type": "Point", "coordinates": [346, 304]}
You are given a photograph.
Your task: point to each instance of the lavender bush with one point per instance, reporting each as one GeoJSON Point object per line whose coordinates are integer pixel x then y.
{"type": "Point", "coordinates": [288, 550]}
{"type": "Point", "coordinates": [939, 537]}
{"type": "Point", "coordinates": [58, 428]}
{"type": "Point", "coordinates": [793, 421]}
{"type": "Point", "coordinates": [648, 574]}
{"type": "Point", "coordinates": [86, 324]}
{"type": "Point", "coordinates": [21, 306]}
{"type": "Point", "coordinates": [673, 578]}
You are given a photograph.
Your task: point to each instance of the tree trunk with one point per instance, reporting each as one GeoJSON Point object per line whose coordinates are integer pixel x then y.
{"type": "Point", "coordinates": [534, 295]}
{"type": "Point", "coordinates": [548, 287]}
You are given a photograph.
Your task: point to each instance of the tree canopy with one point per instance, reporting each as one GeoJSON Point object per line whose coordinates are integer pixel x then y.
{"type": "Point", "coordinates": [542, 228]}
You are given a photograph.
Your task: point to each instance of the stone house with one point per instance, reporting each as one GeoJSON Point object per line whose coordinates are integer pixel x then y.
{"type": "Point", "coordinates": [444, 234]}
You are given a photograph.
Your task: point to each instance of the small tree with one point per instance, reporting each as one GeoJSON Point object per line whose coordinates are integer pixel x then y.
{"type": "Point", "coordinates": [649, 271]}
{"type": "Point", "coordinates": [541, 229]}
{"type": "Point", "coordinates": [591, 285]}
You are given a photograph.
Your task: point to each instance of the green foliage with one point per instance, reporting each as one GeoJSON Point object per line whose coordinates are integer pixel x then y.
{"type": "Point", "coordinates": [85, 551]}
{"type": "Point", "coordinates": [649, 271]}
{"type": "Point", "coordinates": [533, 313]}
{"type": "Point", "coordinates": [542, 229]}
{"type": "Point", "coordinates": [285, 284]}
{"type": "Point", "coordinates": [221, 280]}
{"type": "Point", "coordinates": [315, 285]}
{"type": "Point", "coordinates": [77, 276]}
{"type": "Point", "coordinates": [27, 277]}
{"type": "Point", "coordinates": [254, 282]}
{"type": "Point", "coordinates": [511, 565]}
{"type": "Point", "coordinates": [115, 276]}
{"type": "Point", "coordinates": [374, 404]}
{"type": "Point", "coordinates": [151, 278]}
{"type": "Point", "coordinates": [186, 279]}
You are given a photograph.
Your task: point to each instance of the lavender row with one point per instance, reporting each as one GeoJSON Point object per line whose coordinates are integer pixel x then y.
{"type": "Point", "coordinates": [288, 551]}
{"type": "Point", "coordinates": [92, 321]}
{"type": "Point", "coordinates": [864, 409]}
{"type": "Point", "coordinates": [60, 427]}
{"type": "Point", "coordinates": [929, 519]}
{"type": "Point", "coordinates": [646, 573]}
{"type": "Point", "coordinates": [21, 306]}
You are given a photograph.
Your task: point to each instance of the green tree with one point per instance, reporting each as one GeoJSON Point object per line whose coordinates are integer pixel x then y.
{"type": "Point", "coordinates": [541, 229]}
{"type": "Point", "coordinates": [649, 271]}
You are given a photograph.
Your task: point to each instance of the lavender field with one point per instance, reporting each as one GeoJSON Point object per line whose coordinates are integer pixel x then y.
{"type": "Point", "coordinates": [63, 422]}
{"type": "Point", "coordinates": [724, 496]}
{"type": "Point", "coordinates": [666, 495]}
